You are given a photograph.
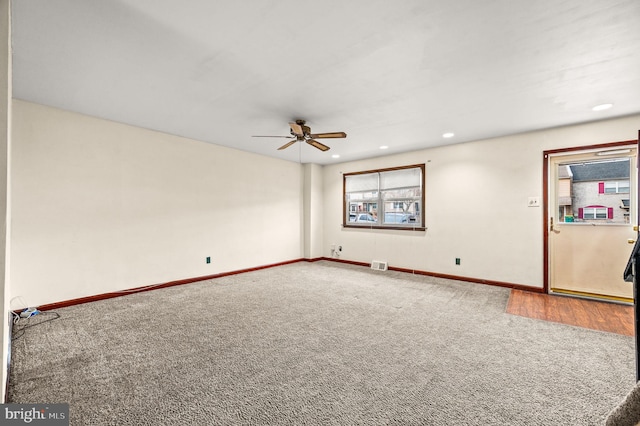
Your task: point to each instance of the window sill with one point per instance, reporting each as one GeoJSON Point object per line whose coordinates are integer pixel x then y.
{"type": "Point", "coordinates": [603, 223]}
{"type": "Point", "coordinates": [395, 228]}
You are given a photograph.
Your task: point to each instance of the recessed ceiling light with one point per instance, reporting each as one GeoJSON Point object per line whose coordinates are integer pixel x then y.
{"type": "Point", "coordinates": [448, 135]}
{"type": "Point", "coordinates": [335, 156]}
{"type": "Point", "coordinates": [601, 107]}
{"type": "Point", "coordinates": [384, 147]}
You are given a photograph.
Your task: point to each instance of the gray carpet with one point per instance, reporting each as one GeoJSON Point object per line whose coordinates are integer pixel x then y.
{"type": "Point", "coordinates": [319, 344]}
{"type": "Point", "coordinates": [628, 412]}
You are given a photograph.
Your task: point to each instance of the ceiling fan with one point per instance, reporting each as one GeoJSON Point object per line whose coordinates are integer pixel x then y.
{"type": "Point", "coordinates": [301, 133]}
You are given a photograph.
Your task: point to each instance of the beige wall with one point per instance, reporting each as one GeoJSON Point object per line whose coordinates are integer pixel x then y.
{"type": "Point", "coordinates": [476, 205]}
{"type": "Point", "coordinates": [100, 206]}
{"type": "Point", "coordinates": [313, 211]}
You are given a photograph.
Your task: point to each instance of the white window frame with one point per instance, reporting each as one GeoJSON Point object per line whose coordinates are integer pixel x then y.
{"type": "Point", "coordinates": [591, 213]}
{"type": "Point", "coordinates": [616, 187]}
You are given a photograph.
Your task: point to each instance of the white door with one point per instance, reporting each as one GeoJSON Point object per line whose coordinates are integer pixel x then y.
{"type": "Point", "coordinates": [591, 218]}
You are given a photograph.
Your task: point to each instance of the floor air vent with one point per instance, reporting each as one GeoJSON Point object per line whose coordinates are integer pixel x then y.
{"type": "Point", "coordinates": [379, 265]}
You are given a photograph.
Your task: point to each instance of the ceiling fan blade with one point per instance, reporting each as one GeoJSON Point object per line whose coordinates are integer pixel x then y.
{"type": "Point", "coordinates": [329, 135]}
{"type": "Point", "coordinates": [261, 136]}
{"type": "Point", "coordinates": [318, 145]}
{"type": "Point", "coordinates": [296, 129]}
{"type": "Point", "coordinates": [288, 144]}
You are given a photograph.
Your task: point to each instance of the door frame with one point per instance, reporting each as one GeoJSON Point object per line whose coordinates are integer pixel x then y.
{"type": "Point", "coordinates": [545, 194]}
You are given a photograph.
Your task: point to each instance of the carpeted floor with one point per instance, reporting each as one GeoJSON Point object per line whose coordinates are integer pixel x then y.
{"type": "Point", "coordinates": [319, 344]}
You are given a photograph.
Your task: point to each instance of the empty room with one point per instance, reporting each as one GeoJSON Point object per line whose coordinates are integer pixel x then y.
{"type": "Point", "coordinates": [331, 213]}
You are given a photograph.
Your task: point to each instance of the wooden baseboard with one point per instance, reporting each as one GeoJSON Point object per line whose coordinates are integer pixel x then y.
{"type": "Point", "coordinates": [349, 262]}
{"type": "Point", "coordinates": [103, 296]}
{"type": "Point", "coordinates": [447, 276]}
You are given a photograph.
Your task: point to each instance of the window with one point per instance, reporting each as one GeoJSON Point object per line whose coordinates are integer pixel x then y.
{"type": "Point", "coordinates": [595, 212]}
{"type": "Point", "coordinates": [616, 187]}
{"type": "Point", "coordinates": [386, 198]}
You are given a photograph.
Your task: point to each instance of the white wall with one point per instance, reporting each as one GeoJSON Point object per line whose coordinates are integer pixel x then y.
{"type": "Point", "coordinates": [476, 205]}
{"type": "Point", "coordinates": [100, 206]}
{"type": "Point", "coordinates": [5, 183]}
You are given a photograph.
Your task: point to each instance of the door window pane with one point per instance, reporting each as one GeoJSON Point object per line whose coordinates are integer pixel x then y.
{"type": "Point", "coordinates": [594, 191]}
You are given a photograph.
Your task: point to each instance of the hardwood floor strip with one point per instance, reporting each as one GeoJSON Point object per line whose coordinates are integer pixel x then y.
{"type": "Point", "coordinates": [595, 315]}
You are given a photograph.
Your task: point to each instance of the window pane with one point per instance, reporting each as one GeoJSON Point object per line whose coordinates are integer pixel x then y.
{"type": "Point", "coordinates": [362, 196]}
{"type": "Point", "coordinates": [400, 194]}
{"type": "Point", "coordinates": [400, 178]}
{"type": "Point", "coordinates": [364, 182]}
{"type": "Point", "coordinates": [591, 183]}
{"type": "Point", "coordinates": [391, 218]}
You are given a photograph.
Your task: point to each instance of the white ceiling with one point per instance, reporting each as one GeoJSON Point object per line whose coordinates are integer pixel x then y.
{"type": "Point", "coordinates": [396, 73]}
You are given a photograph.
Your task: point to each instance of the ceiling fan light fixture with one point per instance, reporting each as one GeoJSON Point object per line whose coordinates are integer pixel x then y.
{"type": "Point", "coordinates": [602, 107]}
{"type": "Point", "coordinates": [448, 135]}
{"type": "Point", "coordinates": [302, 133]}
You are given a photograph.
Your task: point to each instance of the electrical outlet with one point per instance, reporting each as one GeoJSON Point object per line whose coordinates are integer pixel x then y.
{"type": "Point", "coordinates": [534, 202]}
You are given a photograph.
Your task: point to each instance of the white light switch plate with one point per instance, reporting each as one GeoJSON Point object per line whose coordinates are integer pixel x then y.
{"type": "Point", "coordinates": [534, 202]}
